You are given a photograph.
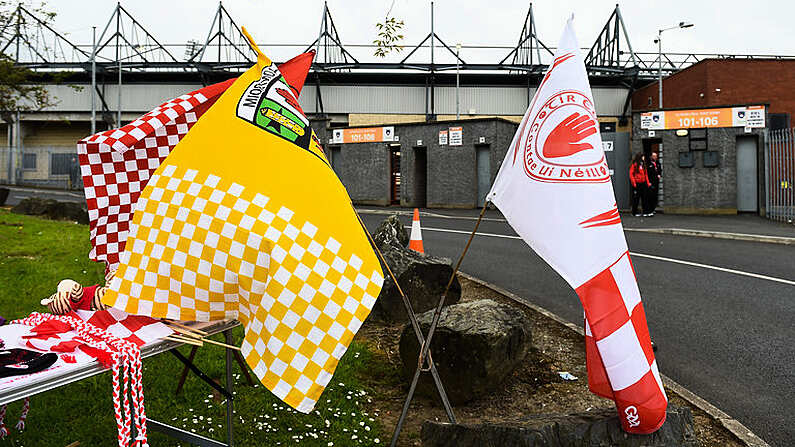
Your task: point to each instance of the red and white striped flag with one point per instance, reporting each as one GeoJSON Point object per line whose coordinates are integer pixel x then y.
{"type": "Point", "coordinates": [554, 189]}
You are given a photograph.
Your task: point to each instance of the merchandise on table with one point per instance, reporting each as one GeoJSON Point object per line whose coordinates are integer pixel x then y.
{"type": "Point", "coordinates": [74, 340]}
{"type": "Point", "coordinates": [72, 296]}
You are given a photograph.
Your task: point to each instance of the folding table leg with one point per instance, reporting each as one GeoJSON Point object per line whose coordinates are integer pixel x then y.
{"type": "Point", "coordinates": [202, 375]}
{"type": "Point", "coordinates": [186, 369]}
{"type": "Point", "coordinates": [418, 333]}
{"type": "Point", "coordinates": [226, 391]}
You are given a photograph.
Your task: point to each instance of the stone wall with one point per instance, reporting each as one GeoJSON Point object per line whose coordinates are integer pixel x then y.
{"type": "Point", "coordinates": [451, 172]}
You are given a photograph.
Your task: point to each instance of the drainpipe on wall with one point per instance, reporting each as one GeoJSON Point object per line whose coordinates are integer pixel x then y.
{"type": "Point", "coordinates": [10, 138]}
{"type": "Point", "coordinates": [18, 167]}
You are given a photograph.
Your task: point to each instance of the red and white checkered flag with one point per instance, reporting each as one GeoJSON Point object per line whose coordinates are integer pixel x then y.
{"type": "Point", "coordinates": [554, 189]}
{"type": "Point", "coordinates": [138, 329]}
{"type": "Point", "coordinates": [117, 164]}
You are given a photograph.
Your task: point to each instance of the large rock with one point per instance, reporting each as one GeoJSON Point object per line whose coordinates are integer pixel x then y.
{"type": "Point", "coordinates": [476, 345]}
{"type": "Point", "coordinates": [422, 278]}
{"type": "Point", "coordinates": [391, 234]}
{"type": "Point", "coordinates": [35, 206]}
{"type": "Point", "coordinates": [592, 429]}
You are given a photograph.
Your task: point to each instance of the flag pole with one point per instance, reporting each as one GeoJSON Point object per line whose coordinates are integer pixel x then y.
{"type": "Point", "coordinates": [414, 324]}
{"type": "Point", "coordinates": [425, 345]}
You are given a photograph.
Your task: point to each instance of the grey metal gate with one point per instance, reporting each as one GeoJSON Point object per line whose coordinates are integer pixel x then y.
{"type": "Point", "coordinates": [780, 173]}
{"type": "Point", "coordinates": [616, 145]}
{"type": "Point", "coordinates": [483, 172]}
{"type": "Point", "coordinates": [746, 174]}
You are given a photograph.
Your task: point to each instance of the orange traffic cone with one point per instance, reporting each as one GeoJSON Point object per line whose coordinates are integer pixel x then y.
{"type": "Point", "coordinates": [415, 241]}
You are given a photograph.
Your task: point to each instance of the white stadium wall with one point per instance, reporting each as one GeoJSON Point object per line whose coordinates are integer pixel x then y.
{"type": "Point", "coordinates": [343, 99]}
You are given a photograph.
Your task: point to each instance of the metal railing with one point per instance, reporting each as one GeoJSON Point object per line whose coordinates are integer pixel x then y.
{"type": "Point", "coordinates": [780, 174]}
{"type": "Point", "coordinates": [125, 44]}
{"type": "Point", "coordinates": [44, 166]}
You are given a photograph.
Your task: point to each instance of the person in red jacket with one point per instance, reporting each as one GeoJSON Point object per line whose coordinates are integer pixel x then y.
{"type": "Point", "coordinates": [639, 177]}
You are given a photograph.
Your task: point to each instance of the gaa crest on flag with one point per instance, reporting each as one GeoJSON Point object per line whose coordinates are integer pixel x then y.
{"type": "Point", "coordinates": [562, 142]}
{"type": "Point", "coordinates": [269, 103]}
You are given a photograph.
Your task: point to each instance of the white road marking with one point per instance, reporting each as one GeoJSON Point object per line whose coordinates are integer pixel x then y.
{"type": "Point", "coordinates": [445, 230]}
{"type": "Point", "coordinates": [641, 255]}
{"type": "Point", "coordinates": [426, 214]}
{"type": "Point", "coordinates": [674, 231]}
{"type": "Point", "coordinates": [446, 216]}
{"type": "Point", "coordinates": [720, 269]}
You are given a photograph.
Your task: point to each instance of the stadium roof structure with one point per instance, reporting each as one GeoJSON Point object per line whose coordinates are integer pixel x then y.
{"type": "Point", "coordinates": [32, 40]}
{"type": "Point", "coordinates": [127, 47]}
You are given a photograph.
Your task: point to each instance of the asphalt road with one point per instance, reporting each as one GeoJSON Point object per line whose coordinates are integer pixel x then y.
{"type": "Point", "coordinates": [725, 336]}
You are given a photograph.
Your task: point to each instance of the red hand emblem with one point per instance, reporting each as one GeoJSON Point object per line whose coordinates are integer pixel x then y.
{"type": "Point", "coordinates": [564, 138]}
{"type": "Point", "coordinates": [289, 98]}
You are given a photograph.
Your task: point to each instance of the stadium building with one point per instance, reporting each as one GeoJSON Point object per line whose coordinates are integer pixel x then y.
{"type": "Point", "coordinates": [435, 90]}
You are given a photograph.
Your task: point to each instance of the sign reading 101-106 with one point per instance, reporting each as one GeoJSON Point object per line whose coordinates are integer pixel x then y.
{"type": "Point", "coordinates": [363, 135]}
{"type": "Point", "coordinates": [747, 116]}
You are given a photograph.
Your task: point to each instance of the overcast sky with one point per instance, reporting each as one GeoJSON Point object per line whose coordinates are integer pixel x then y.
{"type": "Point", "coordinates": [727, 26]}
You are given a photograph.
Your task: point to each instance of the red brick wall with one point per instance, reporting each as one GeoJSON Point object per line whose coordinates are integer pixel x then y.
{"type": "Point", "coordinates": [741, 81]}
{"type": "Point", "coordinates": [679, 90]}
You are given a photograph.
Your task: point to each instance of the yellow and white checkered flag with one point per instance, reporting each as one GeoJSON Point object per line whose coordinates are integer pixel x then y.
{"type": "Point", "coordinates": [245, 219]}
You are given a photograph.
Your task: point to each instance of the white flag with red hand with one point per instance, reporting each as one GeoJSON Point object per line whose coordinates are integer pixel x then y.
{"type": "Point", "coordinates": [554, 189]}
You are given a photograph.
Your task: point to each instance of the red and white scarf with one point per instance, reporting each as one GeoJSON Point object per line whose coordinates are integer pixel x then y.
{"type": "Point", "coordinates": [114, 339]}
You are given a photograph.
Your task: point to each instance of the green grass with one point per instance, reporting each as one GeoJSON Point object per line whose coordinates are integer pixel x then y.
{"type": "Point", "coordinates": [35, 254]}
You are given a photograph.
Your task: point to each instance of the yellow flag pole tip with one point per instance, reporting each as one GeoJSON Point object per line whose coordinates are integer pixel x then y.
{"type": "Point", "coordinates": [251, 42]}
